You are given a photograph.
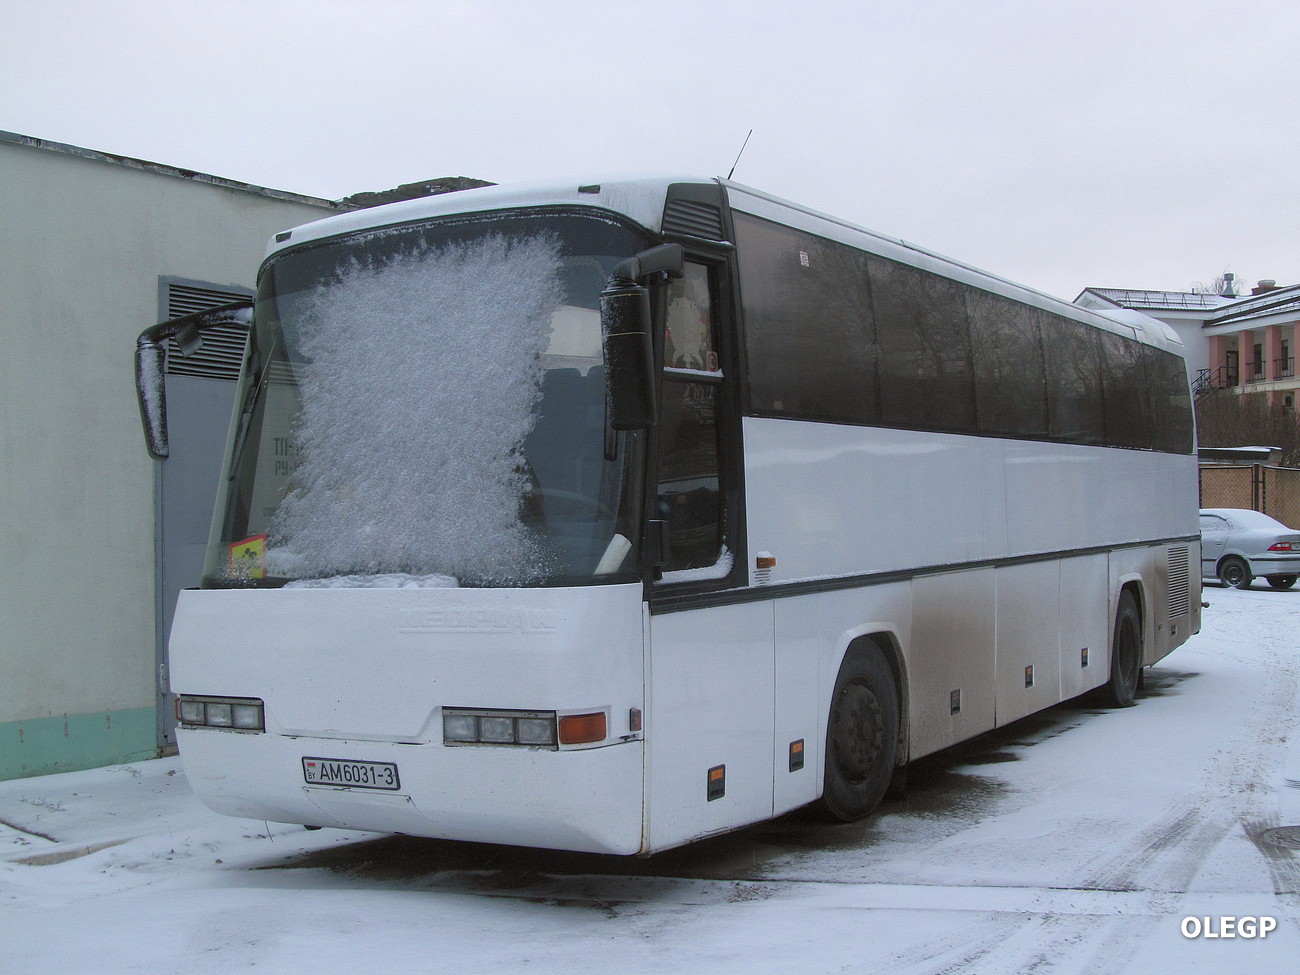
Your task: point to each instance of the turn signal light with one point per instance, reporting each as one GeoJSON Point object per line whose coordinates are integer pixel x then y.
{"type": "Point", "coordinates": [582, 729]}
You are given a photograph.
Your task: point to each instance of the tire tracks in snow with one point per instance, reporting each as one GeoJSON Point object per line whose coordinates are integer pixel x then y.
{"type": "Point", "coordinates": [1158, 865]}
{"type": "Point", "coordinates": [1233, 794]}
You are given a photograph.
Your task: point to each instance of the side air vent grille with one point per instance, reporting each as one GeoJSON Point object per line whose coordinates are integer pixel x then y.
{"type": "Point", "coordinates": [693, 220]}
{"type": "Point", "coordinates": [222, 352]}
{"type": "Point", "coordinates": [1179, 583]}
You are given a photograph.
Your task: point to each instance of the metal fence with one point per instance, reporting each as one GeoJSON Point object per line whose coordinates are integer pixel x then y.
{"type": "Point", "coordinates": [1272, 490]}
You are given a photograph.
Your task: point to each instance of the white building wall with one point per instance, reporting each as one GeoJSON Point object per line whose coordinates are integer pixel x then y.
{"type": "Point", "coordinates": [82, 245]}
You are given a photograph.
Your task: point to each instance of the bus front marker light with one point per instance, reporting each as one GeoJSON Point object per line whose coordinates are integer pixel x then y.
{"type": "Point", "coordinates": [582, 729]}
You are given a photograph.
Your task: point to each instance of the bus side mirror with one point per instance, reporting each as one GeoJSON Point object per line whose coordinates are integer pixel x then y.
{"type": "Point", "coordinates": [150, 388]}
{"type": "Point", "coordinates": [150, 356]}
{"type": "Point", "coordinates": [625, 324]}
{"type": "Point", "coordinates": [629, 356]}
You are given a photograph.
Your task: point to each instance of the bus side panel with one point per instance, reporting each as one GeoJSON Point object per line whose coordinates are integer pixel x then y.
{"type": "Point", "coordinates": [710, 712]}
{"type": "Point", "coordinates": [1028, 658]}
{"type": "Point", "coordinates": [832, 500]}
{"type": "Point", "coordinates": [812, 634]}
{"type": "Point", "coordinates": [806, 663]}
{"type": "Point", "coordinates": [1171, 594]}
{"type": "Point", "coordinates": [1085, 624]}
{"type": "Point", "coordinates": [950, 661]}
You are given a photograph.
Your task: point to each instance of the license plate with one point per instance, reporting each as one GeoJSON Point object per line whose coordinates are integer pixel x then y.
{"type": "Point", "coordinates": [350, 774]}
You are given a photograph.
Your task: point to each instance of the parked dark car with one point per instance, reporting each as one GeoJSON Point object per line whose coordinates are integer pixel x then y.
{"type": "Point", "coordinates": [1237, 545]}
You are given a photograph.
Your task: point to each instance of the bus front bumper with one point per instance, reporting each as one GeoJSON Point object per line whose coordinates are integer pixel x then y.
{"type": "Point", "coordinates": [587, 800]}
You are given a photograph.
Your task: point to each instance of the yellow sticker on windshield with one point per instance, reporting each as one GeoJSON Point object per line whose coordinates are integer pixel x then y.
{"type": "Point", "coordinates": [248, 558]}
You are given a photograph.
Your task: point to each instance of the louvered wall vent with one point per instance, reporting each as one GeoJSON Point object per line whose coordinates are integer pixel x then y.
{"type": "Point", "coordinates": [223, 347]}
{"type": "Point", "coordinates": [1179, 583]}
{"type": "Point", "coordinates": [693, 219]}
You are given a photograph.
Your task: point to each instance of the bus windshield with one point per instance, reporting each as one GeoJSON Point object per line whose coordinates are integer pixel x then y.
{"type": "Point", "coordinates": [423, 405]}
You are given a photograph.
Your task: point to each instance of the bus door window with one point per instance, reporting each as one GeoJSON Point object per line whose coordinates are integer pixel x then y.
{"type": "Point", "coordinates": [688, 331]}
{"type": "Point", "coordinates": [689, 499]}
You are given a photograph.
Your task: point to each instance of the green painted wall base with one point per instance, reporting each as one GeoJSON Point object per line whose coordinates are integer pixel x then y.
{"type": "Point", "coordinates": [70, 742]}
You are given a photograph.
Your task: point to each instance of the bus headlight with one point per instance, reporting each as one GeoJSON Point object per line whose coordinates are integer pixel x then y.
{"type": "Point", "coordinates": [232, 713]}
{"type": "Point", "coordinates": [474, 726]}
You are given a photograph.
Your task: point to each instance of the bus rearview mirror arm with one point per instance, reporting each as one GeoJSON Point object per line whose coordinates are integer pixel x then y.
{"type": "Point", "coordinates": [625, 326]}
{"type": "Point", "coordinates": [150, 358]}
{"type": "Point", "coordinates": [669, 259]}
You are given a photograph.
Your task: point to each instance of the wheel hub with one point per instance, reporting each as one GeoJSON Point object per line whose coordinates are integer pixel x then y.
{"type": "Point", "coordinates": [856, 731]}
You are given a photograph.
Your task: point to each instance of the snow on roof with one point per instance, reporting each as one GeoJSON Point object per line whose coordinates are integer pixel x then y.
{"type": "Point", "coordinates": [1274, 302]}
{"type": "Point", "coordinates": [640, 198]}
{"type": "Point", "coordinates": [1222, 310]}
{"type": "Point", "coordinates": [1164, 300]}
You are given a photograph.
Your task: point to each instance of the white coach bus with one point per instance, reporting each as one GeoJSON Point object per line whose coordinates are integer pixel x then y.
{"type": "Point", "coordinates": [610, 517]}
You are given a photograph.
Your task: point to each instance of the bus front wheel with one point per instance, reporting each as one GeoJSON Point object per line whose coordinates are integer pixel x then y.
{"type": "Point", "coordinates": [861, 736]}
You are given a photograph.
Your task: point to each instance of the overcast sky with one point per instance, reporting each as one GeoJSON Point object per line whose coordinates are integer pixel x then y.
{"type": "Point", "coordinates": [1061, 143]}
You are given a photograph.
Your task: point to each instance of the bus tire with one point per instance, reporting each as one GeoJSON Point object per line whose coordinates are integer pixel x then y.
{"type": "Point", "coordinates": [861, 736]}
{"type": "Point", "coordinates": [1120, 690]}
{"type": "Point", "coordinates": [1235, 572]}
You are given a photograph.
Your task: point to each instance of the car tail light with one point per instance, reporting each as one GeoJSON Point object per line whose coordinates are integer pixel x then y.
{"type": "Point", "coordinates": [1284, 547]}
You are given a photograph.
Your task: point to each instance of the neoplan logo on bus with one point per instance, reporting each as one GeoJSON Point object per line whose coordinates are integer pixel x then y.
{"type": "Point", "coordinates": [350, 774]}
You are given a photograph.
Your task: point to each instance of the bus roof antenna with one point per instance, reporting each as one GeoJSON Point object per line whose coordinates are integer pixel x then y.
{"type": "Point", "coordinates": [739, 154]}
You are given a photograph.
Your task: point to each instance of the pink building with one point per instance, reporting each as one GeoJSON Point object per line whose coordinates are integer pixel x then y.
{"type": "Point", "coordinates": [1247, 344]}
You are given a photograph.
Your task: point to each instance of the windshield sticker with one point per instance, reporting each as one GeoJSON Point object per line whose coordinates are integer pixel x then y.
{"type": "Point", "coordinates": [248, 558]}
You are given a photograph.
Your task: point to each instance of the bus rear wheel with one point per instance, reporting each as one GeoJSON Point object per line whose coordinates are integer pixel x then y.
{"type": "Point", "coordinates": [1120, 691]}
{"type": "Point", "coordinates": [861, 736]}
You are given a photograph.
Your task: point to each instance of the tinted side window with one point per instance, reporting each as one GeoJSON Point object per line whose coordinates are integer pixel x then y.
{"type": "Point", "coordinates": [838, 334]}
{"type": "Point", "coordinates": [1123, 390]}
{"type": "Point", "coordinates": [806, 301]}
{"type": "Point", "coordinates": [1168, 401]}
{"type": "Point", "coordinates": [1074, 408]}
{"type": "Point", "coordinates": [1010, 378]}
{"type": "Point", "coordinates": [689, 495]}
{"type": "Point", "coordinates": [924, 348]}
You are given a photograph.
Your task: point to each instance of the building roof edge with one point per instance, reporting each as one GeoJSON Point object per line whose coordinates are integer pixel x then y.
{"type": "Point", "coordinates": [161, 169]}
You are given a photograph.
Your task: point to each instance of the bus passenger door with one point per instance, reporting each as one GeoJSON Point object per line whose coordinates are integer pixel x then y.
{"type": "Point", "coordinates": [711, 670]}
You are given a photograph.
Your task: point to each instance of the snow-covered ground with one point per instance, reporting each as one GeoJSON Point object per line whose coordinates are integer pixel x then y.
{"type": "Point", "coordinates": [1076, 841]}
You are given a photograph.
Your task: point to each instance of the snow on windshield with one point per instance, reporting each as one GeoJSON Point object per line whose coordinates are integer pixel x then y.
{"type": "Point", "coordinates": [418, 380]}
